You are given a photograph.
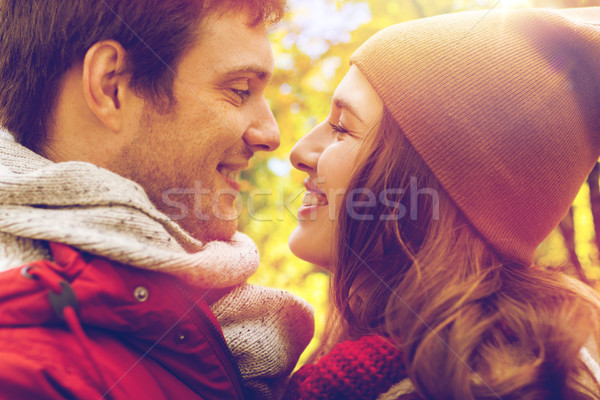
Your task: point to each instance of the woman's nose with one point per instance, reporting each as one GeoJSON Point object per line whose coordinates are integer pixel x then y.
{"type": "Point", "coordinates": [306, 152]}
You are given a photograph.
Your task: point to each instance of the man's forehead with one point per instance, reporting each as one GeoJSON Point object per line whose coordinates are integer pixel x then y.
{"type": "Point", "coordinates": [219, 23]}
{"type": "Point", "coordinates": [234, 47]}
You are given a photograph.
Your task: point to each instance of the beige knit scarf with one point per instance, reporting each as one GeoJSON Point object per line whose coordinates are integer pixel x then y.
{"type": "Point", "coordinates": [102, 213]}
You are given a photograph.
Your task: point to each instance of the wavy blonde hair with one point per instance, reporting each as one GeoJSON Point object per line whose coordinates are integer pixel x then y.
{"type": "Point", "coordinates": [470, 326]}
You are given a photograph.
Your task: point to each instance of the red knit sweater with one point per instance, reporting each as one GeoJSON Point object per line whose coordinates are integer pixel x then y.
{"type": "Point", "coordinates": [360, 369]}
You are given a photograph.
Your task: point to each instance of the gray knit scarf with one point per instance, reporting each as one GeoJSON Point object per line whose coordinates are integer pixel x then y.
{"type": "Point", "coordinates": [97, 211]}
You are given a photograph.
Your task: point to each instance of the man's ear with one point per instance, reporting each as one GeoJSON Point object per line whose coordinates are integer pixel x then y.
{"type": "Point", "coordinates": [104, 85]}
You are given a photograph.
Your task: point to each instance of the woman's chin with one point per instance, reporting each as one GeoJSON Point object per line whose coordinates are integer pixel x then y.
{"type": "Point", "coordinates": [310, 248]}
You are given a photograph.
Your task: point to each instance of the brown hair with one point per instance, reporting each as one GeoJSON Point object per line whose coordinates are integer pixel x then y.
{"type": "Point", "coordinates": [41, 40]}
{"type": "Point", "coordinates": [470, 326]}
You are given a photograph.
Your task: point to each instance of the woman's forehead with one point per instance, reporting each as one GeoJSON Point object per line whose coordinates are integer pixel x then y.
{"type": "Point", "coordinates": [356, 95]}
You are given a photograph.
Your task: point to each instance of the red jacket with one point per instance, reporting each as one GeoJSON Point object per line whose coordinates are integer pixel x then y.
{"type": "Point", "coordinates": [124, 333]}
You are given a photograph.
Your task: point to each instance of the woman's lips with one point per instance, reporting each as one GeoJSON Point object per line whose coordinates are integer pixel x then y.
{"type": "Point", "coordinates": [314, 199]}
{"type": "Point", "coordinates": [311, 202]}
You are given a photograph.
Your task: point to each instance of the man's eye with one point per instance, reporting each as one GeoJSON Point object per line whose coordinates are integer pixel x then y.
{"type": "Point", "coordinates": [243, 94]}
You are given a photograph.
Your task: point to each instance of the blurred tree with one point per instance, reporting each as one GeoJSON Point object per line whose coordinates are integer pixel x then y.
{"type": "Point", "coordinates": [312, 46]}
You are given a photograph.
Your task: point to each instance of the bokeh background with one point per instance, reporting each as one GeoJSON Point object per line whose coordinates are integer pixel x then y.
{"type": "Point", "coordinates": [312, 46]}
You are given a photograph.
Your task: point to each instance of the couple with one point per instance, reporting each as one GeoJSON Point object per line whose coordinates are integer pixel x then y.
{"type": "Point", "coordinates": [460, 142]}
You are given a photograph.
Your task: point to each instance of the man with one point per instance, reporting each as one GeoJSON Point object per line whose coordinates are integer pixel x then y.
{"type": "Point", "coordinates": [130, 124]}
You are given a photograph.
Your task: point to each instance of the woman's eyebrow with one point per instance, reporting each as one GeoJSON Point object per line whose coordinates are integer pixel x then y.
{"type": "Point", "coordinates": [341, 103]}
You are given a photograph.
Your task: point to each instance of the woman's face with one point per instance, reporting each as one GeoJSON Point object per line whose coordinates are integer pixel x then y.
{"type": "Point", "coordinates": [327, 154]}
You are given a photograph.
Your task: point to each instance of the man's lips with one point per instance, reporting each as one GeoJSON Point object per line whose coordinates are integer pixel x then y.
{"type": "Point", "coordinates": [231, 173]}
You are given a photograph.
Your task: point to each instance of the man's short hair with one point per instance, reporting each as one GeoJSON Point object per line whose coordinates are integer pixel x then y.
{"type": "Point", "coordinates": [41, 39]}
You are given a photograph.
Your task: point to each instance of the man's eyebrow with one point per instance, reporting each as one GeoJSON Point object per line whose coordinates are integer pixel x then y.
{"type": "Point", "coordinates": [261, 73]}
{"type": "Point", "coordinates": [341, 103]}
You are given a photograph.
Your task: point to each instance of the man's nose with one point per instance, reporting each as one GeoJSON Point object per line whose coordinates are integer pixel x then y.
{"type": "Point", "coordinates": [263, 134]}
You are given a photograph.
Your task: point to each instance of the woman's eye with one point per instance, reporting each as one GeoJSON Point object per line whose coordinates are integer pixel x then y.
{"type": "Point", "coordinates": [243, 94]}
{"type": "Point", "coordinates": [339, 128]}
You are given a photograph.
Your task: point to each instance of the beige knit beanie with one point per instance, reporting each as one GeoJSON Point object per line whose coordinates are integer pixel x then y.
{"type": "Point", "coordinates": [504, 108]}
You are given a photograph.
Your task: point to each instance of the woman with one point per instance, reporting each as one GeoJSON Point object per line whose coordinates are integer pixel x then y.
{"type": "Point", "coordinates": [454, 145]}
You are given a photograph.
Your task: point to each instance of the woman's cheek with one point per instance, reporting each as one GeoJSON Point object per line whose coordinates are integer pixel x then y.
{"type": "Point", "coordinates": [335, 174]}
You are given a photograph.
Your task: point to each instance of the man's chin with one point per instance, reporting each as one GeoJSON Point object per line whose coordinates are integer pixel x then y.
{"type": "Point", "coordinates": [208, 231]}
{"type": "Point", "coordinates": [205, 225]}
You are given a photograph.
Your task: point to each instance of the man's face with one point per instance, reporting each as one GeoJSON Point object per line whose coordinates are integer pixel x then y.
{"type": "Point", "coordinates": [189, 159]}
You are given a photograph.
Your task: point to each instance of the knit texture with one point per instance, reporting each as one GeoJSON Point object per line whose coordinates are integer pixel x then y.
{"type": "Point", "coordinates": [97, 211]}
{"type": "Point", "coordinates": [101, 213]}
{"type": "Point", "coordinates": [503, 107]}
{"type": "Point", "coordinates": [246, 315]}
{"type": "Point", "coordinates": [360, 369]}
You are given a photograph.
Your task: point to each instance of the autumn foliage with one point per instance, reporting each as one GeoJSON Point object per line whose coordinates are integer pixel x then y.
{"type": "Point", "coordinates": [312, 46]}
